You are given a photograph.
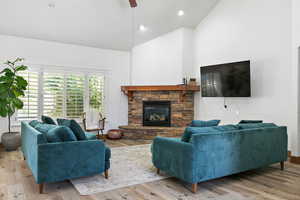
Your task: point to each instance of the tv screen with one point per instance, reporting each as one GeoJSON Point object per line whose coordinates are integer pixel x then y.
{"type": "Point", "coordinates": [226, 80]}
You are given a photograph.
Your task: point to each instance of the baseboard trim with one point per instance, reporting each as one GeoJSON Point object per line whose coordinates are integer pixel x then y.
{"type": "Point", "coordinates": [294, 159]}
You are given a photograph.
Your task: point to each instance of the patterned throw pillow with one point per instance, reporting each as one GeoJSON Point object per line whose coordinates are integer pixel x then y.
{"type": "Point", "coordinates": [74, 126]}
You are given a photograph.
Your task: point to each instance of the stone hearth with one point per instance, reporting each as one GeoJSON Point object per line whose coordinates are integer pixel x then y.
{"type": "Point", "coordinates": [182, 110]}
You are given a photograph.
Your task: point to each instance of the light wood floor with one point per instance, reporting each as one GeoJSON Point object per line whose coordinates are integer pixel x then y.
{"type": "Point", "coordinates": [17, 183]}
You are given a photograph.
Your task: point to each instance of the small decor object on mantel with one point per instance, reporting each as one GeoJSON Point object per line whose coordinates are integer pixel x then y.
{"type": "Point", "coordinates": [114, 134]}
{"type": "Point", "coordinates": [12, 87]}
{"type": "Point", "coordinates": [193, 82]}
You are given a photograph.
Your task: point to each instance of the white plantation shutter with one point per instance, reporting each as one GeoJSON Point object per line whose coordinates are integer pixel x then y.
{"type": "Point", "coordinates": [53, 94]}
{"type": "Point", "coordinates": [61, 95]}
{"type": "Point", "coordinates": [75, 88]}
{"type": "Point", "coordinates": [30, 109]}
{"type": "Point", "coordinates": [96, 93]}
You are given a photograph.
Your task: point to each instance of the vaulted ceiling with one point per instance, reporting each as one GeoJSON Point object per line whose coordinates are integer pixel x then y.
{"type": "Point", "coordinates": [98, 23]}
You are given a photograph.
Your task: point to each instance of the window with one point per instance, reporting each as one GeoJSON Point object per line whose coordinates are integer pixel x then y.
{"type": "Point", "coordinates": [31, 99]}
{"type": "Point", "coordinates": [96, 99]}
{"type": "Point", "coordinates": [61, 95]}
{"type": "Point", "coordinates": [53, 95]}
{"type": "Point", "coordinates": [75, 96]}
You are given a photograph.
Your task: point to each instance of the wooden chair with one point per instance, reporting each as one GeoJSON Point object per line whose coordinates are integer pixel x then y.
{"type": "Point", "coordinates": [98, 125]}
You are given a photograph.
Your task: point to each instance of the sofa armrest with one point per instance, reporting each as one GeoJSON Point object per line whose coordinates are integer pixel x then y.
{"type": "Point", "coordinates": [68, 160]}
{"type": "Point", "coordinates": [174, 157]}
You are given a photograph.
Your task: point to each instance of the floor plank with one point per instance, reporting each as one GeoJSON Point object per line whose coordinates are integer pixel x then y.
{"type": "Point", "coordinates": [17, 183]}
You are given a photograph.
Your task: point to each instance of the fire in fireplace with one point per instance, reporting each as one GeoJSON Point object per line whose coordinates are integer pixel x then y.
{"type": "Point", "coordinates": [157, 113]}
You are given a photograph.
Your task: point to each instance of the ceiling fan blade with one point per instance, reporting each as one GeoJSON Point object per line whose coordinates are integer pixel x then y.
{"type": "Point", "coordinates": [133, 3]}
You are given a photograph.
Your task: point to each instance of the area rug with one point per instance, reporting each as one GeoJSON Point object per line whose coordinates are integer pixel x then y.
{"type": "Point", "coordinates": [130, 165]}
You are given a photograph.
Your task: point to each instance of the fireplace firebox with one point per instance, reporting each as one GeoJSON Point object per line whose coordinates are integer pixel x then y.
{"type": "Point", "coordinates": [157, 113]}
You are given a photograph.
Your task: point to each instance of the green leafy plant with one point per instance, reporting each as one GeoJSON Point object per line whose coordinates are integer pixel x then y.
{"type": "Point", "coordinates": [12, 87]}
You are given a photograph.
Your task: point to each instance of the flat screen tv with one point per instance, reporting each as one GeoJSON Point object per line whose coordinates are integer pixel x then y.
{"type": "Point", "coordinates": [226, 80]}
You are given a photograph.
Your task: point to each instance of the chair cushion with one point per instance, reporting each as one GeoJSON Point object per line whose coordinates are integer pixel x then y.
{"type": "Point", "coordinates": [250, 121]}
{"type": "Point", "coordinates": [258, 125]}
{"type": "Point", "coordinates": [200, 123]}
{"type": "Point", "coordinates": [48, 120]}
{"type": "Point", "coordinates": [60, 134]}
{"type": "Point", "coordinates": [74, 126]}
{"type": "Point", "coordinates": [90, 136]}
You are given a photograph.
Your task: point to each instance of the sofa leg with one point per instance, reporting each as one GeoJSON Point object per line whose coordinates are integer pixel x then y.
{"type": "Point", "coordinates": [194, 187]}
{"type": "Point", "coordinates": [282, 165]}
{"type": "Point", "coordinates": [106, 174]}
{"type": "Point", "coordinates": [157, 171]}
{"type": "Point", "coordinates": [24, 158]}
{"type": "Point", "coordinates": [41, 188]}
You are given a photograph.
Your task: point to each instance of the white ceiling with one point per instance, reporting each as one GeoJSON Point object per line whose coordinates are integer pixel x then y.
{"type": "Point", "coordinates": [98, 23]}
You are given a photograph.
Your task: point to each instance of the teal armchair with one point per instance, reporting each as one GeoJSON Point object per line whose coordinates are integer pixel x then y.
{"type": "Point", "coordinates": [221, 153]}
{"type": "Point", "coordinates": [53, 162]}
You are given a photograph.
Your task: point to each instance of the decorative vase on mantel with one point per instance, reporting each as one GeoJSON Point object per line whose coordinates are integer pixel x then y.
{"type": "Point", "coordinates": [12, 87]}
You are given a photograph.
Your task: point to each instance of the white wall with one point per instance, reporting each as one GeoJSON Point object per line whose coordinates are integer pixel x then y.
{"type": "Point", "coordinates": [296, 65]}
{"type": "Point", "coordinates": [164, 60]}
{"type": "Point", "coordinates": [258, 30]}
{"type": "Point", "coordinates": [116, 63]}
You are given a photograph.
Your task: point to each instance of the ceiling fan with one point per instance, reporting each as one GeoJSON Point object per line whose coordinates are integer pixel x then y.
{"type": "Point", "coordinates": [132, 3]}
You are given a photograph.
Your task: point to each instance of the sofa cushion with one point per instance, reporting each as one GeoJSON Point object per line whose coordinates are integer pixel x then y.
{"type": "Point", "coordinates": [250, 121]}
{"type": "Point", "coordinates": [258, 125]}
{"type": "Point", "coordinates": [200, 123]}
{"type": "Point", "coordinates": [74, 126]}
{"type": "Point", "coordinates": [189, 131]}
{"type": "Point", "coordinates": [90, 136]}
{"type": "Point", "coordinates": [48, 120]}
{"type": "Point", "coordinates": [60, 134]}
{"type": "Point", "coordinates": [34, 123]}
{"type": "Point", "coordinates": [229, 127]}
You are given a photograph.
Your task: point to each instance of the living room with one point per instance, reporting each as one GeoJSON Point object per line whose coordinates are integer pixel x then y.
{"type": "Point", "coordinates": [125, 57]}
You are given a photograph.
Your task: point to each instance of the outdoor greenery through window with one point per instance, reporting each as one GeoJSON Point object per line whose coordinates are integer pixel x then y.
{"type": "Point", "coordinates": [61, 95]}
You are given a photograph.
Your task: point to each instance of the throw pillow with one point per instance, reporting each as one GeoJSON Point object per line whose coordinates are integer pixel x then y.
{"type": "Point", "coordinates": [74, 126]}
{"type": "Point", "coordinates": [60, 134]}
{"type": "Point", "coordinates": [250, 121]}
{"type": "Point", "coordinates": [48, 120]}
{"type": "Point", "coordinates": [200, 123]}
{"type": "Point", "coordinates": [44, 128]}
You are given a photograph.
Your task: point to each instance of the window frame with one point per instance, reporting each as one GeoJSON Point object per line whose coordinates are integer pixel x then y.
{"type": "Point", "coordinates": [86, 72]}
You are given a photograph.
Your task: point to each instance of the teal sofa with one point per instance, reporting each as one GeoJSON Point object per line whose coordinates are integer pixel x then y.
{"type": "Point", "coordinates": [53, 162]}
{"type": "Point", "coordinates": [220, 151]}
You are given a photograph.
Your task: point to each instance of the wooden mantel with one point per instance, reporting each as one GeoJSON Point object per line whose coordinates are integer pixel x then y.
{"type": "Point", "coordinates": [128, 90]}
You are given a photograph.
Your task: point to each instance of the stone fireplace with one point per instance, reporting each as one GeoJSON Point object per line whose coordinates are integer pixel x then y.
{"type": "Point", "coordinates": [158, 110]}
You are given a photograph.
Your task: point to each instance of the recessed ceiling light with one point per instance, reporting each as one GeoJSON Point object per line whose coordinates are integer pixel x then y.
{"type": "Point", "coordinates": [142, 28]}
{"type": "Point", "coordinates": [51, 5]}
{"type": "Point", "coordinates": [180, 13]}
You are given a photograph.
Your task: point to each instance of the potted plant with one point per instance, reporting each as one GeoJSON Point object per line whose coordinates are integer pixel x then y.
{"type": "Point", "coordinates": [12, 87]}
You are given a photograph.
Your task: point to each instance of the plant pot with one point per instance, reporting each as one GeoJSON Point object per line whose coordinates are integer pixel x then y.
{"type": "Point", "coordinates": [11, 141]}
